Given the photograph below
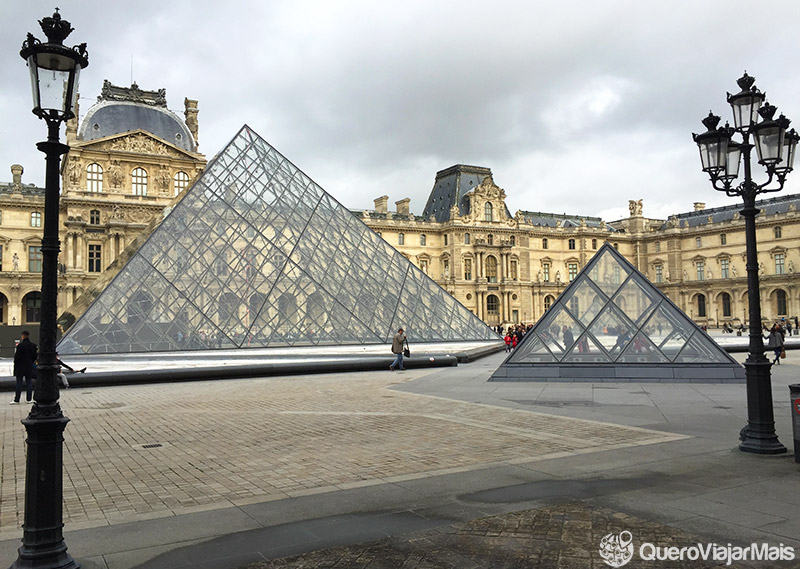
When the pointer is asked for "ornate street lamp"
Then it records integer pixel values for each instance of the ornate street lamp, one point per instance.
(54, 71)
(720, 156)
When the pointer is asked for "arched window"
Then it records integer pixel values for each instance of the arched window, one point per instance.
(548, 302)
(422, 239)
(254, 306)
(780, 301)
(701, 306)
(94, 178)
(491, 269)
(487, 211)
(490, 239)
(726, 304)
(181, 182)
(571, 244)
(139, 181)
(544, 243)
(33, 307)
(594, 243)
(778, 232)
(3, 308)
(513, 240)
(94, 217)
(492, 305)
(401, 239)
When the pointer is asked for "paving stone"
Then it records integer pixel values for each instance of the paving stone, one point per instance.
(227, 442)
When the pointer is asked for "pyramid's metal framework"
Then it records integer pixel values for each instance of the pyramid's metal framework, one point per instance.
(612, 324)
(258, 255)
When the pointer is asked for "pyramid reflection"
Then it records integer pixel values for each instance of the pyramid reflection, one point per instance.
(258, 255)
(612, 324)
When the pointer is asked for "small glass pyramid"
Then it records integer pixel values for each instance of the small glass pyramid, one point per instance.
(258, 255)
(612, 324)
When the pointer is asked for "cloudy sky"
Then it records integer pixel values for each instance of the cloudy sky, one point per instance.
(577, 106)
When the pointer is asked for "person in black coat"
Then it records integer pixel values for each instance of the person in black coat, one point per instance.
(24, 359)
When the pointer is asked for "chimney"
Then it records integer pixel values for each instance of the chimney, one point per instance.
(382, 204)
(402, 206)
(699, 206)
(190, 112)
(16, 172)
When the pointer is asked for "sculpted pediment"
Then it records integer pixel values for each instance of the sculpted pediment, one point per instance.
(488, 189)
(138, 142)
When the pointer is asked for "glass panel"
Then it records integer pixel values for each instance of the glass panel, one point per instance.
(637, 299)
(257, 254)
(642, 350)
(583, 301)
(701, 349)
(551, 330)
(668, 330)
(532, 352)
(587, 350)
(608, 273)
(612, 330)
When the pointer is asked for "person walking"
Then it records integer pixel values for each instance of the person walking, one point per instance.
(397, 349)
(24, 360)
(775, 342)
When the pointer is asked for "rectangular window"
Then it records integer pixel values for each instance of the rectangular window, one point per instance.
(513, 270)
(446, 268)
(445, 239)
(467, 269)
(572, 270)
(95, 253)
(659, 274)
(779, 263)
(1, 257)
(701, 268)
(658, 246)
(546, 272)
(34, 259)
(723, 239)
(36, 219)
(423, 265)
(724, 265)
(698, 241)
(466, 239)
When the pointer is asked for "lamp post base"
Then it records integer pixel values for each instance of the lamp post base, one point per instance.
(759, 436)
(43, 544)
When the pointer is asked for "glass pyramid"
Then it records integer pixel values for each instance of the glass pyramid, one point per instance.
(258, 255)
(612, 324)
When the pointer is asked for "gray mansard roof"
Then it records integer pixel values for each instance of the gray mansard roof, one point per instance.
(451, 188)
(122, 109)
(769, 206)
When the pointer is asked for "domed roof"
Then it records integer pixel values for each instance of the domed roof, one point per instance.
(121, 109)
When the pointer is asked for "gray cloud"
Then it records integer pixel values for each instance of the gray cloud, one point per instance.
(577, 106)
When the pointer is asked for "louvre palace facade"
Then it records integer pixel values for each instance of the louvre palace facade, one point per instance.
(510, 268)
(130, 157)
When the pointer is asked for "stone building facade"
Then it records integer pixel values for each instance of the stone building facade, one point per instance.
(130, 157)
(510, 268)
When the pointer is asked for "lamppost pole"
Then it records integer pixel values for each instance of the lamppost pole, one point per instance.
(54, 72)
(720, 157)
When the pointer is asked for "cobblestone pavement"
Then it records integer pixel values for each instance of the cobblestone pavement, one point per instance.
(564, 536)
(137, 452)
